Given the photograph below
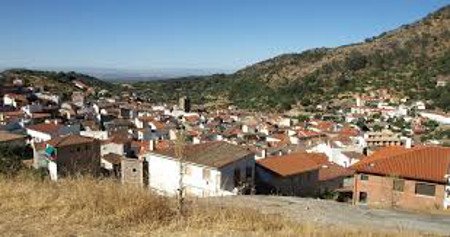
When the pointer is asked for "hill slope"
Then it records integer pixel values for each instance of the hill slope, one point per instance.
(55, 82)
(86, 207)
(406, 60)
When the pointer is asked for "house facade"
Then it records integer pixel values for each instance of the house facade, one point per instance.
(299, 174)
(74, 154)
(414, 178)
(208, 169)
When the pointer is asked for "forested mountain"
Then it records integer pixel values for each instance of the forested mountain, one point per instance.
(407, 61)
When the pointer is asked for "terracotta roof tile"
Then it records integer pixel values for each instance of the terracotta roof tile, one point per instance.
(292, 164)
(6, 136)
(421, 163)
(69, 140)
(113, 158)
(49, 128)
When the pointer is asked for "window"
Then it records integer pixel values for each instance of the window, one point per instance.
(398, 185)
(188, 170)
(248, 172)
(425, 189)
(206, 174)
(237, 177)
(362, 197)
(308, 176)
(364, 177)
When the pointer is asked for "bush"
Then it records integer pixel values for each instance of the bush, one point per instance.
(10, 160)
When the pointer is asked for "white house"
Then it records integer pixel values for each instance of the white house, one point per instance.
(436, 117)
(208, 169)
(13, 99)
(100, 135)
(46, 131)
(32, 108)
(337, 155)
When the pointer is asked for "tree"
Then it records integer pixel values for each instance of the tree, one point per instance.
(10, 160)
(356, 61)
(179, 152)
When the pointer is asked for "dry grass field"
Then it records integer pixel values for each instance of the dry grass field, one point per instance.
(30, 206)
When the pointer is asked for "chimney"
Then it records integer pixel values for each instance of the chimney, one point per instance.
(408, 143)
(151, 145)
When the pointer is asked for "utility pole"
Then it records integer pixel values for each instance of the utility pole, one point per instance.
(179, 153)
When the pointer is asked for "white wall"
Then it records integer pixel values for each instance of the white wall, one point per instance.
(111, 147)
(101, 135)
(39, 136)
(164, 175)
(7, 100)
(334, 155)
(436, 117)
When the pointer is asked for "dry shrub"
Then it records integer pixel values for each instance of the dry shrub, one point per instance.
(97, 207)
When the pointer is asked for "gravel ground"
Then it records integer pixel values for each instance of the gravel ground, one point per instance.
(322, 212)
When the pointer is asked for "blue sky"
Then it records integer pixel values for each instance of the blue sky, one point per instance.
(196, 34)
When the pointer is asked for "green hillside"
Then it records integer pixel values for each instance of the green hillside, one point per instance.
(54, 82)
(407, 61)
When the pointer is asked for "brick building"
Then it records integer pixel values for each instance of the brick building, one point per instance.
(415, 178)
(299, 174)
(74, 154)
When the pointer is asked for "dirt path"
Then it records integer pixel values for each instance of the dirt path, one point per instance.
(321, 212)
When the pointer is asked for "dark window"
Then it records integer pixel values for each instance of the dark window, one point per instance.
(399, 185)
(425, 189)
(78, 149)
(248, 172)
(362, 197)
(237, 177)
(308, 176)
(364, 177)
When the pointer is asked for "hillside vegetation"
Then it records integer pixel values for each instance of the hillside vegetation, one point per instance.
(84, 206)
(407, 61)
(55, 82)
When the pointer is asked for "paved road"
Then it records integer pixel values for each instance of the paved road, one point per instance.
(324, 212)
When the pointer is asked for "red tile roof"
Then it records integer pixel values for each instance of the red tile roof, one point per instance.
(329, 170)
(191, 118)
(297, 163)
(302, 133)
(420, 163)
(6, 136)
(113, 158)
(348, 131)
(69, 140)
(291, 164)
(49, 128)
(41, 115)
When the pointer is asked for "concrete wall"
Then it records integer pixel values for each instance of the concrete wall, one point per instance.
(111, 147)
(380, 193)
(228, 173)
(101, 135)
(132, 172)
